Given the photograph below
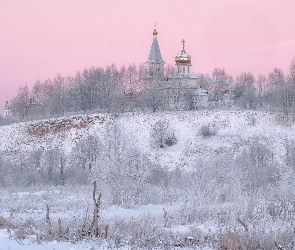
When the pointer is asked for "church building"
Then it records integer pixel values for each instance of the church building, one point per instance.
(181, 89)
(6, 110)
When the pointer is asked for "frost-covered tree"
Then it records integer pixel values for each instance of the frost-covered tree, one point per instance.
(169, 71)
(86, 153)
(214, 179)
(162, 135)
(118, 167)
(221, 83)
(245, 92)
(19, 103)
(259, 167)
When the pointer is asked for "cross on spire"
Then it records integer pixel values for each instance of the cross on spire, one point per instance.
(183, 42)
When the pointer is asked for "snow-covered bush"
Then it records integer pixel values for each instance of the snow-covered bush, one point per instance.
(252, 120)
(162, 135)
(207, 131)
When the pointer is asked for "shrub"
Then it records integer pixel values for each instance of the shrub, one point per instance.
(162, 135)
(207, 131)
(171, 140)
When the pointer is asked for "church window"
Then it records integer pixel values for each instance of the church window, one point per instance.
(187, 70)
(183, 69)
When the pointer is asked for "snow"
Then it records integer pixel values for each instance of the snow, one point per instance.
(8, 242)
(183, 54)
(235, 130)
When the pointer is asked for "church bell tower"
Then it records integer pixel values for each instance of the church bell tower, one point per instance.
(155, 63)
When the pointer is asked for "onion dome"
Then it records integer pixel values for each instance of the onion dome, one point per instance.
(183, 57)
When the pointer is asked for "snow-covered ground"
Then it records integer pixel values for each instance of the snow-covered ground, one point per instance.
(23, 210)
(70, 204)
(8, 242)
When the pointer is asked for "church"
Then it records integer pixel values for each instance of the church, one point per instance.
(6, 110)
(178, 89)
(181, 90)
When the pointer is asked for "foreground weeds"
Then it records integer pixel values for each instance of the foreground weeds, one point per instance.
(211, 227)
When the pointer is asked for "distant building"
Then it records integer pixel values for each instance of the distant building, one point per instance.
(182, 90)
(7, 112)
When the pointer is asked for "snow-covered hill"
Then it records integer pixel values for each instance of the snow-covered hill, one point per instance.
(234, 131)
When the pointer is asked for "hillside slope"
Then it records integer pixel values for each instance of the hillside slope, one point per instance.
(234, 131)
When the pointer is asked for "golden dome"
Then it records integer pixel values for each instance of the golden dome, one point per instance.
(183, 57)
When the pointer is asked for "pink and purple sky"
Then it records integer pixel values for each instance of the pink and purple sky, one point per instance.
(41, 38)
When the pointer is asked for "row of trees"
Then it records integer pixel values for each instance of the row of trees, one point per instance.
(94, 88)
(117, 90)
(275, 92)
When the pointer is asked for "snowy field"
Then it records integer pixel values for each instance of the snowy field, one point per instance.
(24, 215)
(230, 188)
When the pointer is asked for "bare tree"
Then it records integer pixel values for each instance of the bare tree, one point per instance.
(245, 90)
(221, 83)
(19, 103)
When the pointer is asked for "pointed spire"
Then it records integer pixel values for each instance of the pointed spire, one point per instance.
(155, 53)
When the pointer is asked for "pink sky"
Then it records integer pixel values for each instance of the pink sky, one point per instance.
(40, 38)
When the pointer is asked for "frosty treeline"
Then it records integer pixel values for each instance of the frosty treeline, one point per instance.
(118, 90)
(95, 88)
(275, 92)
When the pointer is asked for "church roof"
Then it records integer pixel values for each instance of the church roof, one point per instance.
(183, 54)
(155, 53)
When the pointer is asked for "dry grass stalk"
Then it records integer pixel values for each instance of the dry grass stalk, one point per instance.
(243, 224)
(48, 220)
(97, 204)
(60, 232)
(79, 234)
(106, 232)
(84, 232)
